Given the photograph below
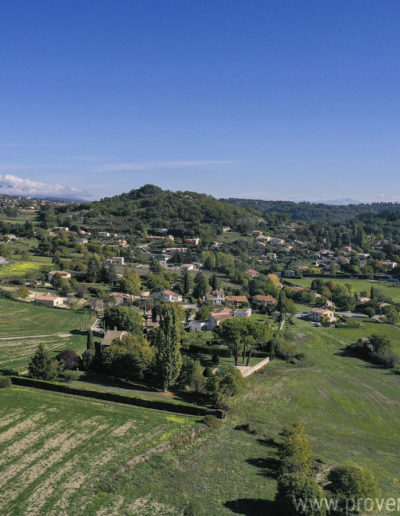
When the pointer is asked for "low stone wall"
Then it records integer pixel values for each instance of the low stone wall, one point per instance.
(247, 370)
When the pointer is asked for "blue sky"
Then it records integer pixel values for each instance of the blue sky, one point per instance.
(262, 99)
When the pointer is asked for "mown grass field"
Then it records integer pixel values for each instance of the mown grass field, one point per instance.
(350, 409)
(15, 354)
(388, 289)
(19, 319)
(18, 269)
(64, 455)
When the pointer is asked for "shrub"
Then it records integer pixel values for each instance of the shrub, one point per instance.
(225, 383)
(295, 452)
(293, 487)
(70, 375)
(5, 382)
(208, 372)
(69, 359)
(352, 482)
(87, 359)
(215, 359)
(211, 421)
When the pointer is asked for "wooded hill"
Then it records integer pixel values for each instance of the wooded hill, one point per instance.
(150, 207)
(307, 211)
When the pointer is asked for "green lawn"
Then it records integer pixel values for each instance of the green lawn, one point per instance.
(61, 454)
(388, 289)
(15, 354)
(19, 319)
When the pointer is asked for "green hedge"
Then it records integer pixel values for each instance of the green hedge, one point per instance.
(170, 406)
(210, 350)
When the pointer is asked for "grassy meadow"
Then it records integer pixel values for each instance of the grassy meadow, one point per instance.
(350, 409)
(64, 455)
(386, 288)
(19, 319)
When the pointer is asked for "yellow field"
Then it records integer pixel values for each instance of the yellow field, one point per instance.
(19, 269)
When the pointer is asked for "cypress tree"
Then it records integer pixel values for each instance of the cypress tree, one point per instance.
(168, 356)
(89, 340)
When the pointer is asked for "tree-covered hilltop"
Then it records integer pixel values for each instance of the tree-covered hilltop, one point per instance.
(150, 207)
(307, 211)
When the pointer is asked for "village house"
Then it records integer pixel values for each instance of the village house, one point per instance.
(242, 312)
(162, 258)
(276, 241)
(49, 300)
(174, 250)
(191, 266)
(218, 316)
(237, 301)
(199, 325)
(389, 265)
(116, 260)
(215, 246)
(252, 273)
(192, 241)
(57, 229)
(119, 298)
(264, 300)
(63, 274)
(168, 295)
(103, 234)
(111, 336)
(216, 297)
(263, 237)
(317, 314)
(226, 229)
(289, 273)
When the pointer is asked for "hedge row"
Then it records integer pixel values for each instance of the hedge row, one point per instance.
(170, 406)
(210, 350)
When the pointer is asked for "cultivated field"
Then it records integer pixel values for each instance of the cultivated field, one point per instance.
(64, 455)
(19, 319)
(15, 354)
(388, 289)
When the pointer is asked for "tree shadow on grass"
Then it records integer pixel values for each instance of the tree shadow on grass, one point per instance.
(268, 442)
(251, 506)
(268, 466)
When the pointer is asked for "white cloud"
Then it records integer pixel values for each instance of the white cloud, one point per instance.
(154, 165)
(14, 185)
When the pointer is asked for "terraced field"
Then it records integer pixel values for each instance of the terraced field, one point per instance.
(19, 319)
(15, 354)
(63, 455)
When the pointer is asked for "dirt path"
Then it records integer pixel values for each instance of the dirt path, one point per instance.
(21, 337)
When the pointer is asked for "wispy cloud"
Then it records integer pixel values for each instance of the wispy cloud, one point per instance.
(157, 165)
(14, 185)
